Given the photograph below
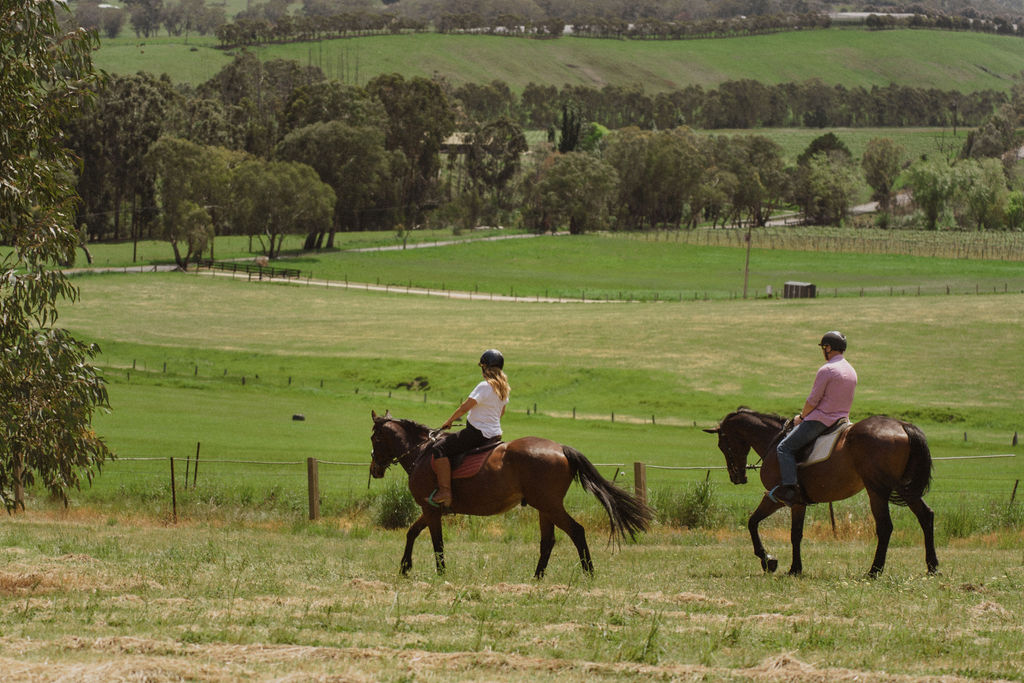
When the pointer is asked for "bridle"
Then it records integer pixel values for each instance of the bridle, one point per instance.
(403, 458)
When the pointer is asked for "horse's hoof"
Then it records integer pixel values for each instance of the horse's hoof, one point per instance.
(770, 564)
(796, 572)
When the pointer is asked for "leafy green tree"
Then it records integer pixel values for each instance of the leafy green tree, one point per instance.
(277, 198)
(351, 159)
(761, 180)
(1015, 210)
(824, 188)
(828, 143)
(980, 193)
(193, 184)
(573, 190)
(112, 135)
(882, 163)
(931, 185)
(420, 117)
(325, 101)
(48, 388)
(145, 16)
(658, 173)
(494, 154)
(570, 128)
(256, 93)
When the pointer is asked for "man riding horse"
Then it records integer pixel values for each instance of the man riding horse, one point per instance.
(829, 401)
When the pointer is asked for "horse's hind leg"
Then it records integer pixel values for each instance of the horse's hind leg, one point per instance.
(575, 530)
(765, 509)
(926, 518)
(883, 529)
(796, 536)
(547, 542)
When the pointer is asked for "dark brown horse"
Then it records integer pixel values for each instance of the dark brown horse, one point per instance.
(529, 471)
(888, 457)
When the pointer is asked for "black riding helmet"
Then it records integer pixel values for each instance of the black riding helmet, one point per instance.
(835, 340)
(492, 357)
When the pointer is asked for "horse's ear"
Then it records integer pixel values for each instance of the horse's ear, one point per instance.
(373, 414)
(387, 414)
(712, 431)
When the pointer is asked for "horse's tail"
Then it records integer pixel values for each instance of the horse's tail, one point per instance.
(626, 513)
(917, 477)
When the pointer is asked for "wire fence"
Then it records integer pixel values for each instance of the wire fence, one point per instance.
(314, 488)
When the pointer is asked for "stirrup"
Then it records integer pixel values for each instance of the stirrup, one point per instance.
(434, 503)
(799, 498)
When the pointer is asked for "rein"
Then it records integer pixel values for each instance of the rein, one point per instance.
(403, 457)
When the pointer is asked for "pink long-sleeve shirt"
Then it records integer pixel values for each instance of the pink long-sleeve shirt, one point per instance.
(832, 393)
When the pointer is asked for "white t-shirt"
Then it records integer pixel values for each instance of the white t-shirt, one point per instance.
(486, 414)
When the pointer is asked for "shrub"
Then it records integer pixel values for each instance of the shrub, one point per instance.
(395, 508)
(694, 507)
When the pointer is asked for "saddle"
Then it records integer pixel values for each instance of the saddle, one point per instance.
(468, 463)
(823, 446)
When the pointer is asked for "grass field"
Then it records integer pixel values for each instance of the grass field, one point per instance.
(240, 586)
(929, 59)
(113, 597)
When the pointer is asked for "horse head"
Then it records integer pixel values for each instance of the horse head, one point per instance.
(734, 447)
(393, 441)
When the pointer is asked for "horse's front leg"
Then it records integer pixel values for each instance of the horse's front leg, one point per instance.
(796, 535)
(767, 507)
(437, 538)
(410, 538)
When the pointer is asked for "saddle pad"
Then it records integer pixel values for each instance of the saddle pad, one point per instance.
(470, 465)
(823, 446)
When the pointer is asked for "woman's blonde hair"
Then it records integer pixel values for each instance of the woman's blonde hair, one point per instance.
(495, 376)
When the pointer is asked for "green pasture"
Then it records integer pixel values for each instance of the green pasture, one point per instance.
(112, 597)
(931, 59)
(919, 143)
(653, 267)
(226, 364)
(664, 266)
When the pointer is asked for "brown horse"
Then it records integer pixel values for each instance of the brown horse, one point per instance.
(888, 457)
(529, 471)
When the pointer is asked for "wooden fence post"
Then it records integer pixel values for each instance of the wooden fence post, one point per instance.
(174, 495)
(640, 481)
(195, 470)
(313, 477)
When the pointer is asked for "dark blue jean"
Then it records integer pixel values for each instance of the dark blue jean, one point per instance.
(802, 435)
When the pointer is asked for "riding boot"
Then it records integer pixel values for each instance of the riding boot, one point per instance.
(443, 469)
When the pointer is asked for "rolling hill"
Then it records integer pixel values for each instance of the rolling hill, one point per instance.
(853, 57)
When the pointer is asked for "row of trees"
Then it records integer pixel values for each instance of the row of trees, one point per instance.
(271, 22)
(737, 104)
(644, 179)
(384, 156)
(377, 148)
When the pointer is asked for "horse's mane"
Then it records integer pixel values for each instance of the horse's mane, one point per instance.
(411, 426)
(763, 417)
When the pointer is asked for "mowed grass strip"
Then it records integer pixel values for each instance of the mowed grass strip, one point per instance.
(655, 266)
(111, 596)
(930, 59)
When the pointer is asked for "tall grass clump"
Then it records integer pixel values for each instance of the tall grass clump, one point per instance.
(693, 507)
(394, 507)
(966, 520)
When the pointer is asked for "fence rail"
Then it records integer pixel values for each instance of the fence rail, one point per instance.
(260, 271)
